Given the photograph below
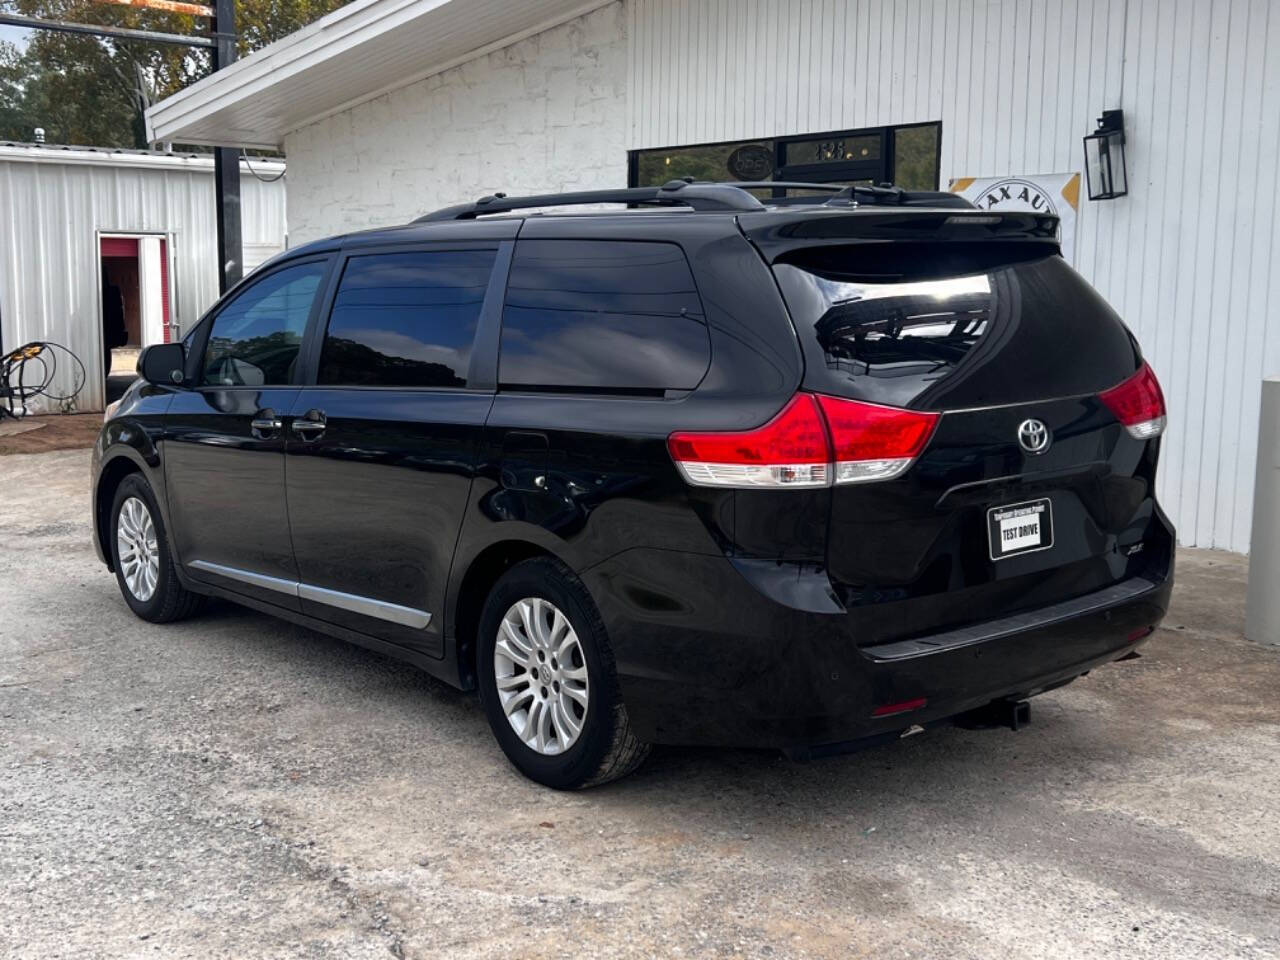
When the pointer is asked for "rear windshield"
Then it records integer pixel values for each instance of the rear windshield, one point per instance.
(1009, 333)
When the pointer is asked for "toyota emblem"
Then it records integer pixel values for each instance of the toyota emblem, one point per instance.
(1033, 436)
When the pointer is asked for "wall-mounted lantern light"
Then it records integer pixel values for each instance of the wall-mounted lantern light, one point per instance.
(1104, 158)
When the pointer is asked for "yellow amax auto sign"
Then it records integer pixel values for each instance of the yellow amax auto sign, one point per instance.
(1056, 193)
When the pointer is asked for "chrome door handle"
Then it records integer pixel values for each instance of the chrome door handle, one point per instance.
(308, 429)
(265, 422)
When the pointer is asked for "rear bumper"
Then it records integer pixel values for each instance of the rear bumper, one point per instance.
(703, 658)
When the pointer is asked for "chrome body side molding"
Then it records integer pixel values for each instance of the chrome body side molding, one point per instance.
(406, 616)
(247, 576)
(366, 606)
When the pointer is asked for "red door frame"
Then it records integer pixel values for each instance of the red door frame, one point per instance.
(127, 246)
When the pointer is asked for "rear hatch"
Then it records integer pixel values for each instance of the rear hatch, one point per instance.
(1030, 489)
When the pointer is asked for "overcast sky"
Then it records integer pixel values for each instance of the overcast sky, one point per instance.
(16, 35)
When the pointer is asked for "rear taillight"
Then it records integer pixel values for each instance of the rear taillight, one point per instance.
(791, 450)
(871, 442)
(815, 441)
(1138, 403)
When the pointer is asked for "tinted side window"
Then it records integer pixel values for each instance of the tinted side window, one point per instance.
(255, 338)
(406, 319)
(602, 315)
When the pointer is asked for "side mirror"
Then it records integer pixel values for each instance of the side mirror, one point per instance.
(163, 364)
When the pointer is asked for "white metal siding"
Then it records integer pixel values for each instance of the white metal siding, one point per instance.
(50, 216)
(1189, 258)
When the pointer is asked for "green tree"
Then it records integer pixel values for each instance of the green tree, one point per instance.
(92, 91)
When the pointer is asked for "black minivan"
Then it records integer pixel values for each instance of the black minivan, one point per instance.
(712, 465)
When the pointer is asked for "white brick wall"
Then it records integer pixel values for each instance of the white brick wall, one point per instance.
(545, 114)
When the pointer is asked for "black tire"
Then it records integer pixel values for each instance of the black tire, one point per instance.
(171, 600)
(606, 748)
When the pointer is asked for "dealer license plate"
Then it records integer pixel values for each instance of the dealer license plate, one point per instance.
(1020, 528)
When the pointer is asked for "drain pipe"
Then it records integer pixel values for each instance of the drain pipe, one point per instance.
(1262, 613)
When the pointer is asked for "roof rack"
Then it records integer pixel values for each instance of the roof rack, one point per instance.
(704, 196)
(681, 193)
(853, 194)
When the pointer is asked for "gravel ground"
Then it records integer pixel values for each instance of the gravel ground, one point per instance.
(235, 786)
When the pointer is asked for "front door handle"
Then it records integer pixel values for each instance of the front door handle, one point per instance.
(310, 425)
(265, 423)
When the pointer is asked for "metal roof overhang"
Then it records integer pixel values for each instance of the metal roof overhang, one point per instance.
(54, 154)
(359, 51)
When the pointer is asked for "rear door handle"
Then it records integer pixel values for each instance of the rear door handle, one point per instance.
(310, 425)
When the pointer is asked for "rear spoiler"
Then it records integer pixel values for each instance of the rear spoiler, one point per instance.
(780, 233)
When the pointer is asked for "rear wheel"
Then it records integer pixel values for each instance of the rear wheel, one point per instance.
(547, 680)
(141, 555)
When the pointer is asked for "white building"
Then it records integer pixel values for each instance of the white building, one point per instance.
(80, 225)
(388, 108)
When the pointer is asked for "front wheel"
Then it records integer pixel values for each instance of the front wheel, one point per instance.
(547, 680)
(143, 562)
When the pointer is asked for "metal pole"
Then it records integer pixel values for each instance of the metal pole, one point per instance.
(226, 161)
(1262, 610)
(97, 30)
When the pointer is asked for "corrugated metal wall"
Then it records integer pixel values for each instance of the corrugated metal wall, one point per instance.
(1190, 258)
(51, 213)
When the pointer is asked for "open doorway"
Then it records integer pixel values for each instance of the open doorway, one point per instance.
(135, 303)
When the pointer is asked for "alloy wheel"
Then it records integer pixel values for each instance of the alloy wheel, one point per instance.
(541, 676)
(137, 549)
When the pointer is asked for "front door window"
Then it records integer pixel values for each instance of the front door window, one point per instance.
(255, 339)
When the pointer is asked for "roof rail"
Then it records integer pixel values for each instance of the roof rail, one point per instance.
(852, 194)
(701, 195)
(682, 193)
(785, 185)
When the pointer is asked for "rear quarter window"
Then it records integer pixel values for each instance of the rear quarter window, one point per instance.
(602, 316)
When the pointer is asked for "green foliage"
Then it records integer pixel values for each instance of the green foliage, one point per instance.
(916, 157)
(92, 91)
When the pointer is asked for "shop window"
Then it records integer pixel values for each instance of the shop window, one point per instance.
(903, 155)
(832, 149)
(747, 160)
